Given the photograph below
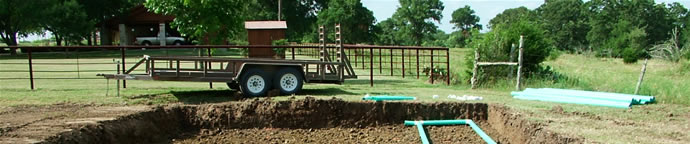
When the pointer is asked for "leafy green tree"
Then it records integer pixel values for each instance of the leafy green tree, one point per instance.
(513, 15)
(68, 21)
(216, 20)
(496, 46)
(415, 18)
(565, 23)
(645, 14)
(300, 15)
(465, 19)
(438, 39)
(356, 21)
(388, 33)
(20, 18)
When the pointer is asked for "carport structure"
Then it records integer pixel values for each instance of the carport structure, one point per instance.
(137, 22)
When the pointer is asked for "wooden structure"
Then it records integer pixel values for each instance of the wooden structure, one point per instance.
(477, 64)
(264, 33)
(138, 22)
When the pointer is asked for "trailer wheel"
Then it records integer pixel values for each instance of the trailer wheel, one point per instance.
(254, 83)
(233, 85)
(288, 81)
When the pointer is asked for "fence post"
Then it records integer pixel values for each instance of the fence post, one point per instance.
(475, 69)
(31, 69)
(432, 67)
(293, 53)
(403, 62)
(417, 63)
(391, 61)
(124, 82)
(519, 71)
(380, 67)
(371, 67)
(447, 66)
(639, 81)
(210, 84)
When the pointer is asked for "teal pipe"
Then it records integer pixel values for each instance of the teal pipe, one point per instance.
(571, 94)
(574, 100)
(642, 99)
(474, 126)
(422, 134)
(386, 97)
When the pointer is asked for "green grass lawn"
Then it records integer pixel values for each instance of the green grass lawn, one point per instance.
(640, 124)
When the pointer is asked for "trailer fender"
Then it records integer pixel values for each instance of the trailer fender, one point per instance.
(270, 68)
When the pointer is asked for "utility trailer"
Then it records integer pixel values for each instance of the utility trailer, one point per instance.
(253, 76)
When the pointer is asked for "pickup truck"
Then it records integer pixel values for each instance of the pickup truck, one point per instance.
(155, 41)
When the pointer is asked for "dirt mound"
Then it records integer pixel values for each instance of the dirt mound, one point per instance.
(309, 121)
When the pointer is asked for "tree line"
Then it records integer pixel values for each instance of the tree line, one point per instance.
(615, 28)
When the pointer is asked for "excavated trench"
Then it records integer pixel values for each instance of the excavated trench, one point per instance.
(310, 121)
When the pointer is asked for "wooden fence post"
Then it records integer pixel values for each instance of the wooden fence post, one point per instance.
(473, 81)
(403, 62)
(519, 71)
(371, 67)
(432, 67)
(639, 81)
(417, 63)
(447, 66)
(31, 69)
(124, 82)
(210, 84)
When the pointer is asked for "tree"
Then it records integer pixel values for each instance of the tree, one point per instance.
(68, 21)
(387, 32)
(20, 17)
(415, 18)
(652, 18)
(216, 20)
(565, 23)
(464, 19)
(300, 15)
(513, 15)
(356, 21)
(496, 46)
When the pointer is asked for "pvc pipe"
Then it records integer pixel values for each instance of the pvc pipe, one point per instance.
(572, 94)
(474, 126)
(422, 134)
(385, 97)
(645, 99)
(573, 100)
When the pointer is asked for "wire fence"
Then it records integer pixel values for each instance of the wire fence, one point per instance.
(84, 62)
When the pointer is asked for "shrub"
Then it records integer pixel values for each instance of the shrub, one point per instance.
(495, 46)
(630, 55)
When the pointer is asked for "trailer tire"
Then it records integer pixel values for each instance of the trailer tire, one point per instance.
(233, 85)
(288, 81)
(254, 83)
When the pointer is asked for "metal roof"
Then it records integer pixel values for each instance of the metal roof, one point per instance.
(265, 25)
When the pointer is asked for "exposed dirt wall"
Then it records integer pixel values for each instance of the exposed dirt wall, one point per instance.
(163, 124)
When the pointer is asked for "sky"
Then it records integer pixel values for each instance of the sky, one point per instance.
(485, 9)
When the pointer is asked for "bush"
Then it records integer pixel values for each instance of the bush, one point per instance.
(630, 55)
(495, 46)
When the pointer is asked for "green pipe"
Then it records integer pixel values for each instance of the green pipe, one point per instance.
(385, 97)
(422, 134)
(573, 100)
(570, 94)
(643, 99)
(474, 126)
